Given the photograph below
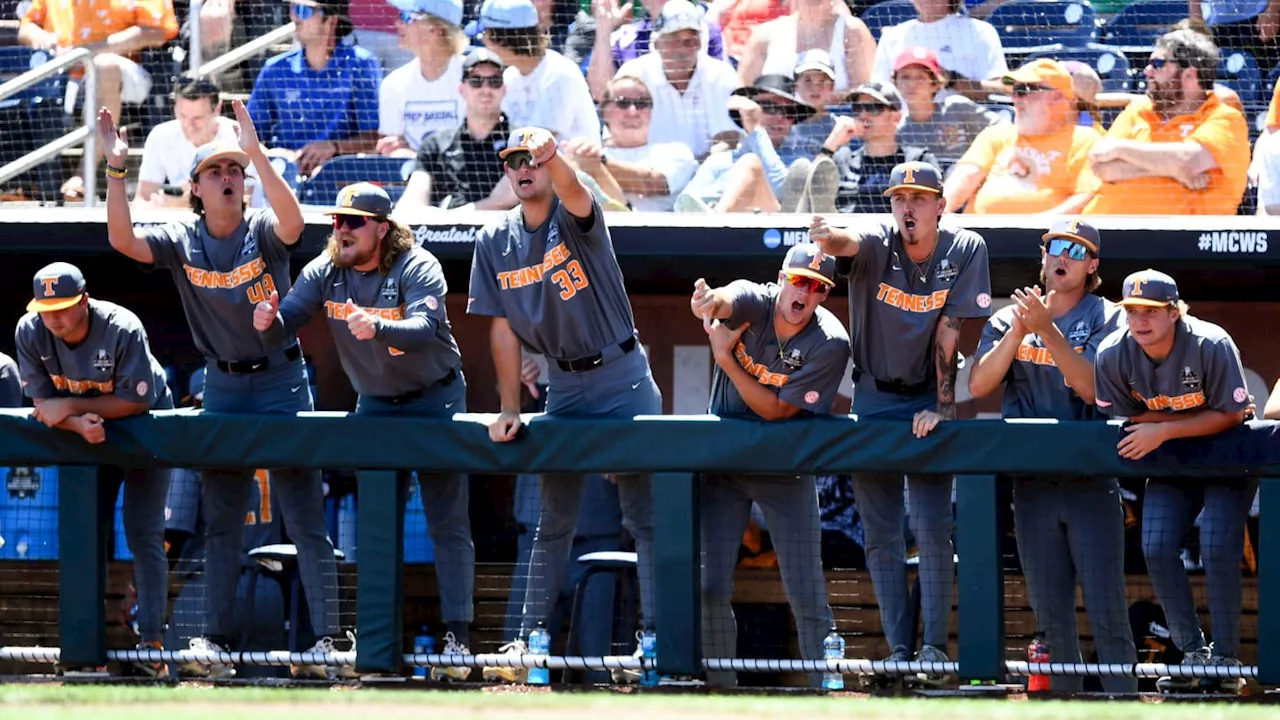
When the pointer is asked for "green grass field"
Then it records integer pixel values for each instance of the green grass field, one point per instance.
(192, 702)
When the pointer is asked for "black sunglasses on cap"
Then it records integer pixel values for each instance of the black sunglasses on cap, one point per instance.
(351, 222)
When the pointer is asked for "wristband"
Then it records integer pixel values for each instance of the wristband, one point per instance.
(115, 173)
(824, 151)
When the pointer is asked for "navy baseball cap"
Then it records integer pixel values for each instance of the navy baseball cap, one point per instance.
(56, 287)
(808, 260)
(480, 56)
(1149, 288)
(915, 176)
(504, 15)
(1076, 230)
(209, 152)
(449, 11)
(363, 199)
(884, 93)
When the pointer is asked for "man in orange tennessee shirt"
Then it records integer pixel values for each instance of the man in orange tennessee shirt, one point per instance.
(1040, 163)
(113, 30)
(1179, 150)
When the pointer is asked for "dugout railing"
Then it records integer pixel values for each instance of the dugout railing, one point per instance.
(974, 450)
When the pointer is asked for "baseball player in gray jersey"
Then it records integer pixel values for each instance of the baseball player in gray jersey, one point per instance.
(778, 354)
(10, 384)
(911, 287)
(384, 300)
(1175, 376)
(84, 361)
(547, 275)
(1068, 528)
(224, 263)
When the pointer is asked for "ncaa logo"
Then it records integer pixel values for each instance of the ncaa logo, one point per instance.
(772, 238)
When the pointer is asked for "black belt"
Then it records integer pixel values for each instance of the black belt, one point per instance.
(246, 367)
(409, 397)
(894, 387)
(584, 364)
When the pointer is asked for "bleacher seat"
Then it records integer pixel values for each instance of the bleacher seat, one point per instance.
(1024, 24)
(887, 14)
(32, 117)
(1239, 71)
(1109, 62)
(1140, 24)
(390, 173)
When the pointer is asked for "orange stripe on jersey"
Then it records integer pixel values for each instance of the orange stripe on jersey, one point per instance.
(1177, 403)
(81, 387)
(214, 280)
(532, 274)
(756, 370)
(894, 297)
(338, 311)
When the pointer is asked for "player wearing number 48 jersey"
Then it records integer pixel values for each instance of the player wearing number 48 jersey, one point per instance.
(224, 263)
(912, 284)
(1068, 528)
(1175, 376)
(84, 361)
(778, 354)
(547, 275)
(383, 298)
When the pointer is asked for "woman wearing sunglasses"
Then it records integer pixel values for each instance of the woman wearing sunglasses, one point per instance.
(1069, 529)
(778, 354)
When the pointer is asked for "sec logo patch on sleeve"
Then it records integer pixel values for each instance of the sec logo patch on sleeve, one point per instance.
(432, 303)
(142, 387)
(983, 300)
(1239, 394)
(811, 397)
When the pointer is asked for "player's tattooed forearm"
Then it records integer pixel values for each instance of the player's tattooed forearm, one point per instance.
(945, 360)
(952, 323)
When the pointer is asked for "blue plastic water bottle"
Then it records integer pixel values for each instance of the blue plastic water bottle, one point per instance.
(649, 650)
(424, 643)
(833, 649)
(539, 646)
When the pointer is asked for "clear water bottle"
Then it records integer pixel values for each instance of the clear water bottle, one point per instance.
(649, 651)
(833, 649)
(539, 646)
(424, 643)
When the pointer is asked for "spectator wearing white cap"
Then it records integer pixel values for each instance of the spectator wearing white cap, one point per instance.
(775, 46)
(944, 123)
(544, 88)
(629, 169)
(968, 49)
(690, 88)
(816, 86)
(422, 95)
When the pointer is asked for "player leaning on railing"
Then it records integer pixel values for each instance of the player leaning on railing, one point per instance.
(224, 263)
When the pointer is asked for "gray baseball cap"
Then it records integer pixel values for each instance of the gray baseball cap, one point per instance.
(808, 260)
(56, 287)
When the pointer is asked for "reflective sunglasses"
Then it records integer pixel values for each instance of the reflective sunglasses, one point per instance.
(519, 160)
(302, 12)
(868, 108)
(624, 103)
(1023, 90)
(1157, 63)
(804, 282)
(1056, 247)
(479, 81)
(407, 17)
(351, 222)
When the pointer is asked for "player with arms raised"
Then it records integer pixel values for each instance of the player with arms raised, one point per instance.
(547, 275)
(912, 285)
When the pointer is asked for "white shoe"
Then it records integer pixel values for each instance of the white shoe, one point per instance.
(1185, 684)
(325, 672)
(515, 648)
(459, 673)
(622, 676)
(823, 184)
(686, 203)
(931, 654)
(214, 670)
(793, 187)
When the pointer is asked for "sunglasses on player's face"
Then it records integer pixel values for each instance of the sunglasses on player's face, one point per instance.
(479, 81)
(1057, 247)
(804, 282)
(350, 222)
(519, 161)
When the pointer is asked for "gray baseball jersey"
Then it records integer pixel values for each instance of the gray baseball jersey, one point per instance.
(10, 383)
(804, 372)
(113, 359)
(414, 346)
(559, 285)
(1034, 386)
(220, 282)
(262, 525)
(894, 304)
(1202, 371)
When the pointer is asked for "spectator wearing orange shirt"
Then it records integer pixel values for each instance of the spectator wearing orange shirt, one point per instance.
(1180, 150)
(1039, 164)
(114, 30)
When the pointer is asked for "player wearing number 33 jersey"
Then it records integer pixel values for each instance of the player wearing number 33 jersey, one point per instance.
(547, 275)
(1177, 376)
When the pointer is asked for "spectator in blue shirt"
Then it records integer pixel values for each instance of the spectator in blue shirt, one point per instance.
(320, 100)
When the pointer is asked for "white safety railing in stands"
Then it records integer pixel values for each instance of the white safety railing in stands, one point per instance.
(195, 52)
(84, 135)
(244, 52)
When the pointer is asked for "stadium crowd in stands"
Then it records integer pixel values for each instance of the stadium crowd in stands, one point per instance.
(784, 106)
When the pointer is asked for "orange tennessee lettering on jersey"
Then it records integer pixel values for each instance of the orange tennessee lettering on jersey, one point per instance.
(338, 311)
(756, 370)
(1177, 403)
(521, 277)
(214, 280)
(894, 297)
(1039, 355)
(82, 387)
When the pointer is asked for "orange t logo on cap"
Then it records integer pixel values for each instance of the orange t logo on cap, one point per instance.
(909, 175)
(48, 283)
(1073, 227)
(818, 257)
(1137, 286)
